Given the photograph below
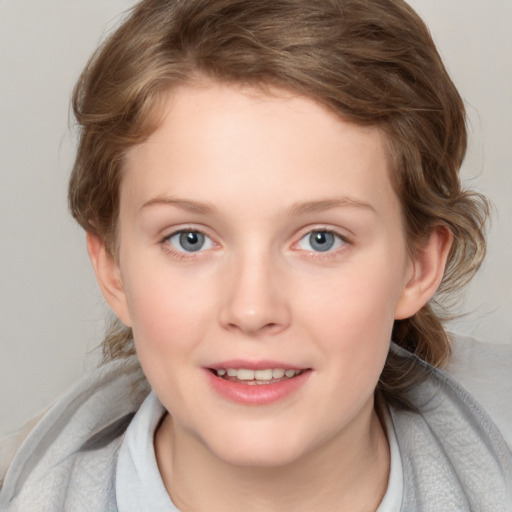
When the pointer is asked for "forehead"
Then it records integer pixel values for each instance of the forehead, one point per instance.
(221, 142)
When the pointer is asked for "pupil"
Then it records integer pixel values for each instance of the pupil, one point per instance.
(321, 241)
(320, 238)
(192, 238)
(191, 241)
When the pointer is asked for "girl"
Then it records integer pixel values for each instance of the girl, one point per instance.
(270, 193)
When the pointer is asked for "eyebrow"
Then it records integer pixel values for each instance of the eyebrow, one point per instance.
(184, 204)
(300, 208)
(327, 204)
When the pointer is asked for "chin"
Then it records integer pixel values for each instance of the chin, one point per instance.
(259, 450)
(256, 459)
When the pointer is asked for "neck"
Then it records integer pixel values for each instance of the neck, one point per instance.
(347, 472)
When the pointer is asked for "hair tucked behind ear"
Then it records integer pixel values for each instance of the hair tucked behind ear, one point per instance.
(371, 62)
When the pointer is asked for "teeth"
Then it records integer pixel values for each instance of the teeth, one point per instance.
(263, 374)
(245, 374)
(259, 375)
(278, 373)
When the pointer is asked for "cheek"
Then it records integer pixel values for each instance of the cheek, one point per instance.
(168, 324)
(351, 320)
(355, 305)
(166, 311)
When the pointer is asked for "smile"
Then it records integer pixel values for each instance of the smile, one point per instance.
(263, 384)
(256, 377)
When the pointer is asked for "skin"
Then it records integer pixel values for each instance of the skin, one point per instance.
(257, 173)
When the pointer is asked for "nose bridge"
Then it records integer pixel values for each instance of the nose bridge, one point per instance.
(255, 298)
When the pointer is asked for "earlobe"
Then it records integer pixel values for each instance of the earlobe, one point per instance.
(427, 270)
(108, 276)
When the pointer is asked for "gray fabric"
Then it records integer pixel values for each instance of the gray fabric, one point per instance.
(453, 456)
(67, 463)
(483, 368)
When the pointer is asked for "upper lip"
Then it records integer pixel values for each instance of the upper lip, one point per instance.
(254, 365)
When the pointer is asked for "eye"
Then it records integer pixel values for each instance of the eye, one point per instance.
(320, 241)
(189, 241)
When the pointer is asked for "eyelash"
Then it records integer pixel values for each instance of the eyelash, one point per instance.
(183, 255)
(329, 254)
(318, 255)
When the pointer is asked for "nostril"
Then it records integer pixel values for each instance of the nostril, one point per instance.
(253, 318)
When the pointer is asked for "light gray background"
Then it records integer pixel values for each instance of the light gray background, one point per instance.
(51, 313)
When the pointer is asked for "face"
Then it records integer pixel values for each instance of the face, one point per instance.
(258, 235)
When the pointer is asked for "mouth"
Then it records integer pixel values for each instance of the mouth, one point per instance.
(256, 382)
(256, 377)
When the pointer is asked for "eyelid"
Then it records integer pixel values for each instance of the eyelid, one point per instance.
(322, 228)
(330, 253)
(171, 231)
(182, 254)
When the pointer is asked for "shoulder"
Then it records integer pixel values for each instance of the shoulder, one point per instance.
(72, 449)
(485, 370)
(453, 453)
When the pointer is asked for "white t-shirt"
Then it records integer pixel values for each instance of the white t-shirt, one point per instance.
(139, 485)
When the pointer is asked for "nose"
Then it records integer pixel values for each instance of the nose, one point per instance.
(255, 299)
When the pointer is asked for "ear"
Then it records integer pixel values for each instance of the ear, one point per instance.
(426, 272)
(108, 275)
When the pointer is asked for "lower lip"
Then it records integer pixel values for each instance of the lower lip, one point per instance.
(257, 394)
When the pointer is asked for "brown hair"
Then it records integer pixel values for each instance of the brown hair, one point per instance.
(372, 62)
